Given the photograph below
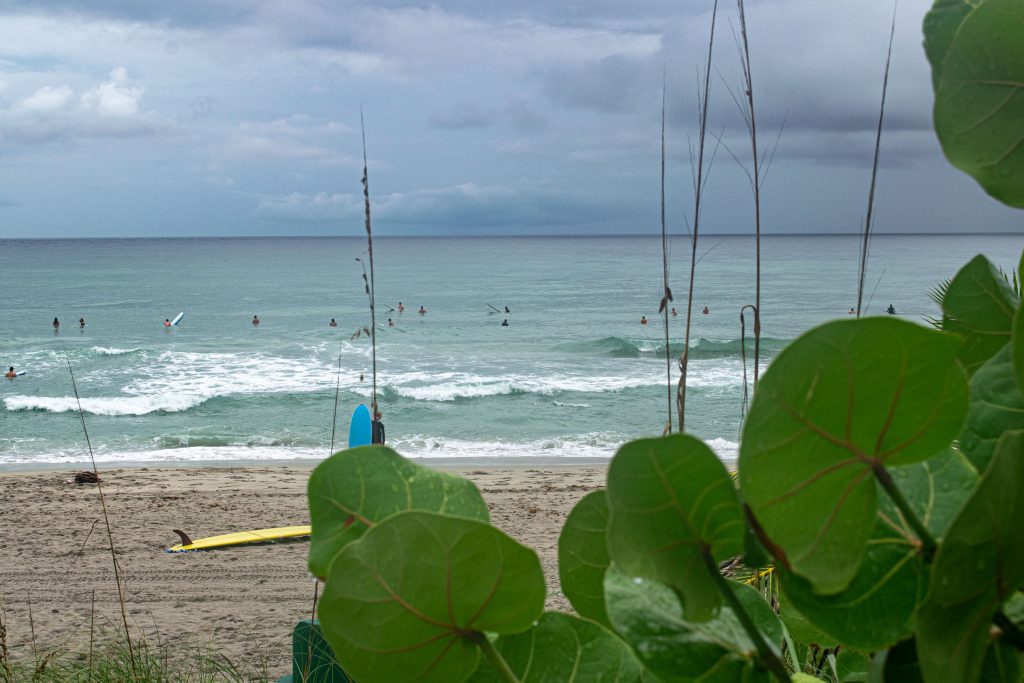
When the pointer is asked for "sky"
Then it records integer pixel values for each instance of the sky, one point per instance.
(242, 117)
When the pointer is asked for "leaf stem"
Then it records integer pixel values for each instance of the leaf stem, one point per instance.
(928, 544)
(1010, 630)
(494, 656)
(767, 657)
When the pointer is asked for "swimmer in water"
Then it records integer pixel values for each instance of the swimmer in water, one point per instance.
(167, 322)
(11, 374)
(643, 320)
(706, 311)
(890, 310)
(401, 308)
(504, 323)
(255, 320)
(391, 323)
(81, 322)
(851, 312)
(333, 323)
(422, 311)
(56, 324)
(506, 310)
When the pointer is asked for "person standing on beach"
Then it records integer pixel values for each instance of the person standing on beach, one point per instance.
(56, 324)
(377, 429)
(11, 374)
(255, 321)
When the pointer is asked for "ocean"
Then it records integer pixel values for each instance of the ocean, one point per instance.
(572, 375)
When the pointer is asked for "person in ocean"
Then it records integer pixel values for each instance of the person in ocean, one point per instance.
(377, 429)
(333, 323)
(890, 310)
(167, 322)
(705, 311)
(81, 322)
(401, 308)
(422, 311)
(56, 324)
(506, 310)
(504, 323)
(674, 314)
(255, 320)
(643, 320)
(10, 374)
(851, 312)
(391, 323)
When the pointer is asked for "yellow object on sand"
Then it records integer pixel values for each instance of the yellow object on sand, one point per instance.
(241, 537)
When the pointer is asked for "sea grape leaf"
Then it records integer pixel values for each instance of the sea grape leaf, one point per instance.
(562, 648)
(996, 406)
(354, 489)
(1018, 335)
(649, 616)
(979, 306)
(898, 664)
(406, 601)
(940, 26)
(877, 609)
(1002, 663)
(800, 628)
(979, 103)
(671, 503)
(852, 666)
(936, 489)
(979, 565)
(583, 556)
(843, 398)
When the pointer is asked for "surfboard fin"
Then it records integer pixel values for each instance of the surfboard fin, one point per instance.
(185, 540)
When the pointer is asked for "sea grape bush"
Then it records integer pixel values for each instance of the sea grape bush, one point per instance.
(881, 474)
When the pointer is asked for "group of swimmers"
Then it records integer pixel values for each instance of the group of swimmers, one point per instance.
(643, 318)
(56, 323)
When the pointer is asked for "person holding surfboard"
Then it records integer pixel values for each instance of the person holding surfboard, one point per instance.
(11, 374)
(377, 427)
(167, 322)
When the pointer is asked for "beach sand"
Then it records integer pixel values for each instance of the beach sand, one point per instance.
(241, 602)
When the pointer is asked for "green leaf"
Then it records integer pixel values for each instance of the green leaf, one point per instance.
(843, 398)
(583, 556)
(896, 665)
(936, 489)
(649, 616)
(800, 628)
(354, 489)
(996, 406)
(405, 602)
(671, 502)
(940, 26)
(1018, 336)
(979, 307)
(1002, 664)
(979, 104)
(564, 649)
(852, 666)
(979, 565)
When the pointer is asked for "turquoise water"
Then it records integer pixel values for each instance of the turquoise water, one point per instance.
(573, 374)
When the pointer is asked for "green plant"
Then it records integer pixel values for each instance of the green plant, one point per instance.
(881, 472)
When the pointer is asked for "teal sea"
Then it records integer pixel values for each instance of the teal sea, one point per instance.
(574, 374)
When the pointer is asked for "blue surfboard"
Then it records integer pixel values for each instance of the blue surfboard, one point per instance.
(360, 430)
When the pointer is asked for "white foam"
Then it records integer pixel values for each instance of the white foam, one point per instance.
(112, 351)
(593, 445)
(119, 405)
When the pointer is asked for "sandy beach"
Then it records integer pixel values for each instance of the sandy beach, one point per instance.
(241, 602)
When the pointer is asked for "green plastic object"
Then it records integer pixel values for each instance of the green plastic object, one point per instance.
(312, 657)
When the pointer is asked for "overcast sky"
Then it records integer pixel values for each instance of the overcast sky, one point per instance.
(241, 117)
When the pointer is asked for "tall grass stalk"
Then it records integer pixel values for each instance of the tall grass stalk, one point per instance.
(699, 180)
(666, 297)
(5, 654)
(751, 120)
(369, 240)
(866, 242)
(106, 515)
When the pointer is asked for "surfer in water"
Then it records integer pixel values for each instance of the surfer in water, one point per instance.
(401, 308)
(10, 374)
(81, 322)
(504, 323)
(255, 321)
(333, 323)
(422, 311)
(890, 310)
(643, 320)
(56, 324)
(377, 429)
(391, 323)
(706, 311)
(167, 322)
(506, 310)
(674, 314)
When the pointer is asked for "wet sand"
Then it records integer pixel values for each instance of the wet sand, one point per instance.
(241, 602)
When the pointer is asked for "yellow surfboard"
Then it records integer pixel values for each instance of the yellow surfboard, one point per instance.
(238, 538)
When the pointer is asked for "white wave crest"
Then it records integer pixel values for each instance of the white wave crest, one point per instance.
(120, 405)
(112, 351)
